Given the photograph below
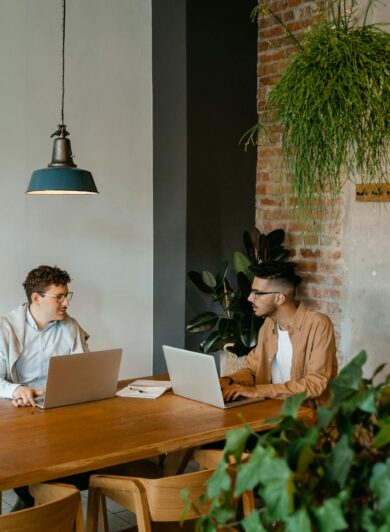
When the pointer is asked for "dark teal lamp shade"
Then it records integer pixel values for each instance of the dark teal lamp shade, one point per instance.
(61, 176)
(61, 180)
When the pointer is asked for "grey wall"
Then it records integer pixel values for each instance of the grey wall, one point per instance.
(104, 241)
(170, 174)
(366, 251)
(221, 92)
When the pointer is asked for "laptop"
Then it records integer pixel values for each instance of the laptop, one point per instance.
(81, 378)
(194, 376)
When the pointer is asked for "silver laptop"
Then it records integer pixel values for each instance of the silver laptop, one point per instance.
(194, 375)
(81, 378)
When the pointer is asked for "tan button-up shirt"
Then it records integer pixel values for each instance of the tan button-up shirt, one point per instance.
(313, 365)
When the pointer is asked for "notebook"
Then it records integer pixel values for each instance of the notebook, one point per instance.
(194, 376)
(81, 378)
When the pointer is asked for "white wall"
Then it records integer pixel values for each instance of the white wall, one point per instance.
(105, 241)
(366, 251)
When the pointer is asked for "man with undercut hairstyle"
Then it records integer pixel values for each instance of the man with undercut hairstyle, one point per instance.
(32, 333)
(296, 349)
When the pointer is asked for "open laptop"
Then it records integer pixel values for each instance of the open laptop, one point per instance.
(81, 378)
(194, 375)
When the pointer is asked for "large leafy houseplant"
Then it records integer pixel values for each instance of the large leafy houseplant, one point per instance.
(236, 325)
(333, 475)
(333, 101)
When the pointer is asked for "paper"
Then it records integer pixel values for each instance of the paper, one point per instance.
(149, 390)
(146, 382)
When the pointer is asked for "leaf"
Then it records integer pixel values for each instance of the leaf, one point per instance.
(380, 485)
(341, 461)
(219, 481)
(226, 328)
(264, 248)
(291, 405)
(298, 522)
(324, 417)
(383, 436)
(279, 254)
(378, 370)
(348, 380)
(244, 284)
(367, 401)
(249, 247)
(249, 331)
(209, 279)
(277, 479)
(221, 274)
(241, 263)
(276, 237)
(330, 516)
(248, 473)
(184, 495)
(235, 442)
(252, 523)
(203, 322)
(212, 343)
(197, 280)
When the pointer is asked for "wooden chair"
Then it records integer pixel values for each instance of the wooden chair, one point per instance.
(57, 509)
(153, 500)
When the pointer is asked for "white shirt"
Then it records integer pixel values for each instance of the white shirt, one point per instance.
(39, 345)
(281, 363)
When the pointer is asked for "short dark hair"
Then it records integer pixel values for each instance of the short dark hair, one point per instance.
(283, 271)
(42, 277)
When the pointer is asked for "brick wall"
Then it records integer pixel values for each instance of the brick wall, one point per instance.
(319, 257)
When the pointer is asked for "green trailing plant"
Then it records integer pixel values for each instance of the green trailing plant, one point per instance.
(236, 325)
(333, 475)
(333, 101)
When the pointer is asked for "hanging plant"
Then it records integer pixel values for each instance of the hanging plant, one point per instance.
(333, 101)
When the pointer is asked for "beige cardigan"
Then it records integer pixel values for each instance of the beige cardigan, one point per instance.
(313, 365)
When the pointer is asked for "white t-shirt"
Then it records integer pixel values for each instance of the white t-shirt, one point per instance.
(281, 363)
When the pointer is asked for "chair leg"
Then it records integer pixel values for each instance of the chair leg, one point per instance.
(103, 519)
(176, 462)
(93, 509)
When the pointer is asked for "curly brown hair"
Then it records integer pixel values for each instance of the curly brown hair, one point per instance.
(40, 278)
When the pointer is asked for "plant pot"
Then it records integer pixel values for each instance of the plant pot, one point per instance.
(229, 362)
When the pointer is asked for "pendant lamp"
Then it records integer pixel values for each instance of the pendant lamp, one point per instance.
(62, 176)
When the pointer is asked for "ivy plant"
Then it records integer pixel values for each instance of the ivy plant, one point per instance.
(333, 101)
(328, 476)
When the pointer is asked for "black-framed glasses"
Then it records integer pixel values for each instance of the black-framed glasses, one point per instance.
(60, 298)
(258, 293)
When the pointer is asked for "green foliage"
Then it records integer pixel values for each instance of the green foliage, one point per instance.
(334, 475)
(237, 325)
(333, 101)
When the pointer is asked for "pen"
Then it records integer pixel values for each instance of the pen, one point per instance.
(135, 389)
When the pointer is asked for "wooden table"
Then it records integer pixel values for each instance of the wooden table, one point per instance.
(38, 445)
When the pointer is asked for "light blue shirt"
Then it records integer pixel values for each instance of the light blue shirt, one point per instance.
(39, 345)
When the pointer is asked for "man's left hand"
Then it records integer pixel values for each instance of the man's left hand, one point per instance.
(233, 391)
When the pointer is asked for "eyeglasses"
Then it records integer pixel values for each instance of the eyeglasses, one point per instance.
(60, 298)
(258, 293)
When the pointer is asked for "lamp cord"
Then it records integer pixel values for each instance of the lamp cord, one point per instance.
(63, 61)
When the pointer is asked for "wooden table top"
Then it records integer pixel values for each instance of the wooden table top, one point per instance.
(38, 445)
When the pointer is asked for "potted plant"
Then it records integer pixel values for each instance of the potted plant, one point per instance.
(333, 101)
(333, 475)
(236, 327)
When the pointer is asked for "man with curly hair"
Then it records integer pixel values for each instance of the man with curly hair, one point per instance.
(296, 350)
(35, 331)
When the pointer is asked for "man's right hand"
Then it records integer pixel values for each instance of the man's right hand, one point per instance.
(224, 382)
(24, 396)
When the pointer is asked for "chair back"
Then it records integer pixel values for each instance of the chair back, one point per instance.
(164, 495)
(58, 509)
